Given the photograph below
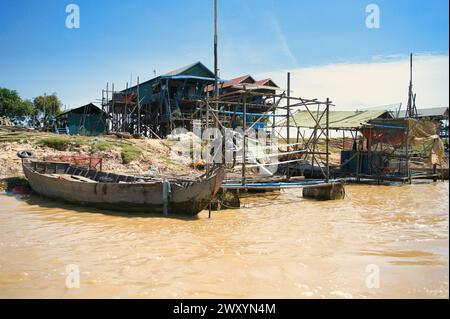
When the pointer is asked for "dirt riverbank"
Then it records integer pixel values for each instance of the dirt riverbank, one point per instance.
(118, 154)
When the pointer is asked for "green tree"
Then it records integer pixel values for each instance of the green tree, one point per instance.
(47, 105)
(13, 107)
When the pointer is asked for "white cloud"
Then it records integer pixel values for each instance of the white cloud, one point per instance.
(281, 38)
(358, 85)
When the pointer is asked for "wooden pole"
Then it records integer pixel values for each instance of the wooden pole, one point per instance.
(315, 139)
(216, 64)
(328, 140)
(288, 118)
(369, 152)
(113, 124)
(103, 99)
(139, 109)
(45, 106)
(124, 115)
(105, 104)
(244, 146)
(216, 69)
(209, 210)
(358, 161)
(407, 153)
(207, 130)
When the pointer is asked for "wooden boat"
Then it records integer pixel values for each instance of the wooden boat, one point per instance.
(126, 193)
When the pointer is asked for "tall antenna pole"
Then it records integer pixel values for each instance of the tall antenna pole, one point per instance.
(411, 110)
(216, 70)
(410, 68)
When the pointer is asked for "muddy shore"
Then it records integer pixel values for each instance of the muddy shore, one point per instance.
(122, 155)
(119, 154)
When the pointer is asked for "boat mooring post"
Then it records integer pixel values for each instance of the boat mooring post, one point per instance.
(165, 195)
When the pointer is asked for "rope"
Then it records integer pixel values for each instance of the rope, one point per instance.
(272, 155)
(347, 161)
(274, 164)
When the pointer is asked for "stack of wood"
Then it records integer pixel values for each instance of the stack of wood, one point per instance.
(4, 121)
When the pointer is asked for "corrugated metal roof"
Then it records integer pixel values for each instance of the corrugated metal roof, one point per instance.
(247, 79)
(338, 119)
(183, 73)
(182, 77)
(239, 80)
(429, 112)
(184, 70)
(88, 109)
(267, 82)
(256, 87)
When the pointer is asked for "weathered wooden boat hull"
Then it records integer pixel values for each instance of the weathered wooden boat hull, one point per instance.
(186, 198)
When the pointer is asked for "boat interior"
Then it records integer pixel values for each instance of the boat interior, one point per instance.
(83, 174)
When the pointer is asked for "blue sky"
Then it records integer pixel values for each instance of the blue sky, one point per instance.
(119, 38)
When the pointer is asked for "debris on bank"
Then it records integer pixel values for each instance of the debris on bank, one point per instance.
(119, 155)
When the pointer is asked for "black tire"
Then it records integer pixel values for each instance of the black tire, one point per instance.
(25, 154)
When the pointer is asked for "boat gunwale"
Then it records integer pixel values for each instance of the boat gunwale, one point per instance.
(188, 199)
(173, 180)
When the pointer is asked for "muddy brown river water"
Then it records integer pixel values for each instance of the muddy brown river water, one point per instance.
(381, 241)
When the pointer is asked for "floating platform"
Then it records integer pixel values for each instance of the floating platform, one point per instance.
(380, 179)
(277, 185)
(329, 191)
(315, 189)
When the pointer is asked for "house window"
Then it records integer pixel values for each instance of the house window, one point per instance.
(156, 88)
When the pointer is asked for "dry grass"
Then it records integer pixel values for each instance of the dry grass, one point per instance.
(119, 155)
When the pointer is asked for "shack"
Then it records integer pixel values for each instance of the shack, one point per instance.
(347, 123)
(433, 113)
(236, 84)
(395, 150)
(230, 110)
(177, 100)
(438, 115)
(84, 120)
(158, 105)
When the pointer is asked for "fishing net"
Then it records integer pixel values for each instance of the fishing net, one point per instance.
(396, 132)
(84, 161)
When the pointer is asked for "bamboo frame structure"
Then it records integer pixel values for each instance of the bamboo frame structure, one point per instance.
(306, 147)
(371, 157)
(249, 107)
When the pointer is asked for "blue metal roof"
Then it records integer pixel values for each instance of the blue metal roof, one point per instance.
(182, 77)
(175, 75)
(197, 66)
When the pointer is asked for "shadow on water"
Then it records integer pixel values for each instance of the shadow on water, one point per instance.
(391, 183)
(44, 202)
